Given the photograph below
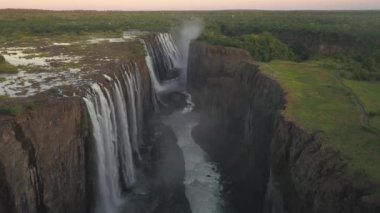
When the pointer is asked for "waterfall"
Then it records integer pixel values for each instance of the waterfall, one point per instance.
(133, 84)
(125, 151)
(163, 56)
(116, 113)
(104, 129)
(202, 181)
(116, 120)
(189, 30)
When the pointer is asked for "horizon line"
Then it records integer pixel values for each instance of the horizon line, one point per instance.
(196, 10)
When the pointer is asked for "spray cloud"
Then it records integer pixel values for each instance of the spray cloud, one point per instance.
(188, 31)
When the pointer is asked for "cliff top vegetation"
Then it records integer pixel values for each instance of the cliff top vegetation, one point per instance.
(320, 100)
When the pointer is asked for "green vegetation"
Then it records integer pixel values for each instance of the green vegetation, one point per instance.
(329, 26)
(16, 110)
(318, 101)
(5, 67)
(354, 69)
(368, 92)
(342, 44)
(262, 47)
(267, 35)
(2, 79)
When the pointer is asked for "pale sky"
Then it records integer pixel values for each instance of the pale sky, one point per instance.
(192, 4)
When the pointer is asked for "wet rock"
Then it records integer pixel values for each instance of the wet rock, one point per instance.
(242, 129)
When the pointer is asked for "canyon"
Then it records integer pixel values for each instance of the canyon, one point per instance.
(120, 142)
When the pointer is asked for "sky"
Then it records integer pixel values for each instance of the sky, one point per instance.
(192, 4)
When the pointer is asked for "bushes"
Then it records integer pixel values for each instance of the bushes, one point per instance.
(5, 67)
(262, 47)
(2, 59)
(352, 68)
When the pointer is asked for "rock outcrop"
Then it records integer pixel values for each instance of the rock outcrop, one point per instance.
(273, 164)
(42, 156)
(44, 148)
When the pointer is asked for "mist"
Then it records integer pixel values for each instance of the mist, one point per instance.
(189, 30)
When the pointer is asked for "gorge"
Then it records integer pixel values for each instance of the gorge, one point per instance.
(195, 128)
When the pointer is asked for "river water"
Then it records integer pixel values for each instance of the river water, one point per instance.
(202, 180)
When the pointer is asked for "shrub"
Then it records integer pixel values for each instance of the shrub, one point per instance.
(5, 67)
(262, 47)
(2, 59)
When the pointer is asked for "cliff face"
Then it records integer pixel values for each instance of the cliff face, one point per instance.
(237, 122)
(273, 164)
(42, 157)
(312, 177)
(45, 147)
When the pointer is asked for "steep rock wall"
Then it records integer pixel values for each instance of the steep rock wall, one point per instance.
(273, 164)
(44, 148)
(236, 122)
(42, 153)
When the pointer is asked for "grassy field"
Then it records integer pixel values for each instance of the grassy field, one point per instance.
(369, 94)
(318, 101)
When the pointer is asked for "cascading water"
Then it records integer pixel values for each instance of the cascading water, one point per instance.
(105, 137)
(133, 92)
(188, 31)
(202, 184)
(125, 152)
(116, 129)
(116, 118)
(165, 54)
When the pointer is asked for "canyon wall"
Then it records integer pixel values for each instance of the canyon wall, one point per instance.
(42, 157)
(270, 164)
(44, 147)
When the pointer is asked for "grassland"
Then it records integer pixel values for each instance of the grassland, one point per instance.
(318, 101)
(369, 94)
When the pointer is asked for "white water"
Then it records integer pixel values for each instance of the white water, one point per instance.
(133, 91)
(125, 150)
(202, 185)
(105, 137)
(188, 31)
(173, 57)
(168, 85)
(115, 123)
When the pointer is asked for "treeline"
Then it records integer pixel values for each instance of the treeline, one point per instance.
(263, 47)
(267, 35)
(364, 67)
(352, 36)
(19, 23)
